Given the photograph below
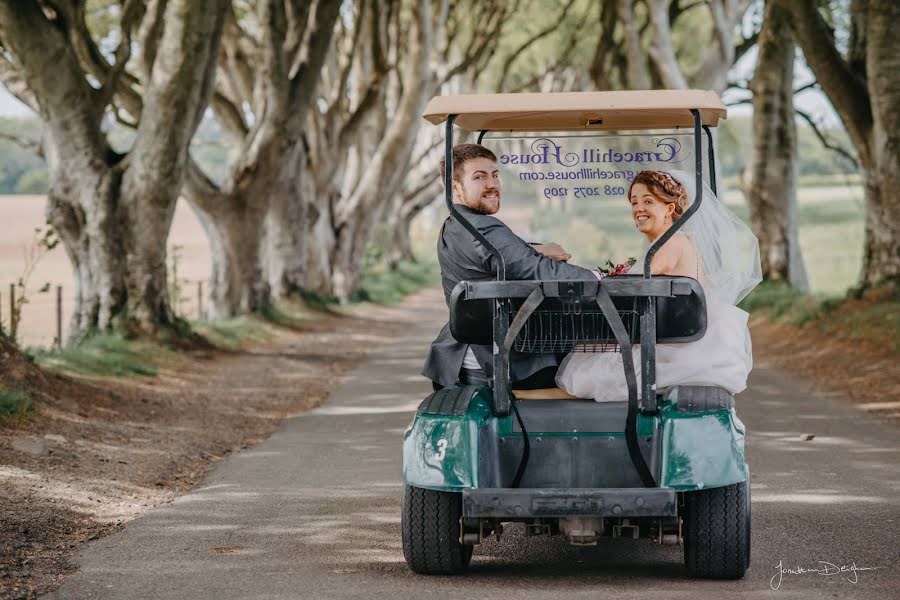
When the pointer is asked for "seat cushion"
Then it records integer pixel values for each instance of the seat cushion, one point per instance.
(545, 394)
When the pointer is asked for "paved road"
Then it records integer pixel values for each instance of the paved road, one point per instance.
(313, 512)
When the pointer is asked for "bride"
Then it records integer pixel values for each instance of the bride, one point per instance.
(714, 247)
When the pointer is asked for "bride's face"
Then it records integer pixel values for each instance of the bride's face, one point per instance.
(651, 215)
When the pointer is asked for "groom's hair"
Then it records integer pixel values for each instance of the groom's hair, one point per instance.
(665, 187)
(463, 153)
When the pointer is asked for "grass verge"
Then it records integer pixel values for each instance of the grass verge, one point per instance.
(238, 332)
(105, 354)
(391, 286)
(14, 405)
(114, 355)
(872, 316)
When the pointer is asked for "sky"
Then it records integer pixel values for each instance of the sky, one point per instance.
(10, 105)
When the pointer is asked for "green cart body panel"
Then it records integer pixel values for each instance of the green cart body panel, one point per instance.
(701, 450)
(695, 450)
(440, 452)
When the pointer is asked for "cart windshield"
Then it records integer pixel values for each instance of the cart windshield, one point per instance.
(572, 188)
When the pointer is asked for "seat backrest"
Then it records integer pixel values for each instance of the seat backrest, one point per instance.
(471, 321)
(559, 326)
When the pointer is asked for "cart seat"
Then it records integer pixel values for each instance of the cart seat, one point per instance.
(545, 394)
(558, 326)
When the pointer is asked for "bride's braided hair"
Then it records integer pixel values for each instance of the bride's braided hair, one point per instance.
(665, 187)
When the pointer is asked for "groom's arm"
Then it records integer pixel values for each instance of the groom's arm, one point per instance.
(523, 262)
(552, 250)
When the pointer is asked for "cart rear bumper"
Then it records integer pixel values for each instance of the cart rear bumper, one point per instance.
(574, 502)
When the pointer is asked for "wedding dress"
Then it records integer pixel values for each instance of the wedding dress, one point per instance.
(729, 268)
(722, 357)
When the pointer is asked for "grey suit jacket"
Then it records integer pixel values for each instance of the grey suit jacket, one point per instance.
(463, 258)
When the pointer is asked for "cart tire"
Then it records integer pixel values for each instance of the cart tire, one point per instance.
(430, 525)
(717, 532)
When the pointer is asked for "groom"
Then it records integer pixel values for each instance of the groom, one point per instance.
(476, 194)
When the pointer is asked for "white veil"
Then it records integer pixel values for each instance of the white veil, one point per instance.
(728, 254)
(727, 248)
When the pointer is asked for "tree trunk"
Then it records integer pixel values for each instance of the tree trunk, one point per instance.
(256, 221)
(283, 248)
(178, 88)
(769, 179)
(87, 229)
(318, 245)
(864, 88)
(347, 256)
(268, 240)
(245, 236)
(290, 213)
(113, 212)
(382, 161)
(662, 50)
(237, 284)
(405, 209)
(881, 259)
(401, 243)
(637, 76)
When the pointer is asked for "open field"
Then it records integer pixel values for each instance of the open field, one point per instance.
(831, 237)
(20, 215)
(831, 223)
(831, 226)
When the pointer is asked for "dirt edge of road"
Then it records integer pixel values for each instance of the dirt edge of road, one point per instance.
(866, 374)
(99, 452)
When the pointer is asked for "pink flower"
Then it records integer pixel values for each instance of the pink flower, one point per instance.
(619, 269)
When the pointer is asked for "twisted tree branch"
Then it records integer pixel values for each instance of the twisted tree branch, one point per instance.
(15, 83)
(482, 40)
(844, 86)
(131, 14)
(303, 83)
(515, 54)
(825, 143)
(26, 143)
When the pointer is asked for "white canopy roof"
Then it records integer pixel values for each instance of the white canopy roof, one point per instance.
(578, 111)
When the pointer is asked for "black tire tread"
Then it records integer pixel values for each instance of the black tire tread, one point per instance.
(717, 532)
(430, 531)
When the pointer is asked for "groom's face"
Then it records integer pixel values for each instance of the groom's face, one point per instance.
(479, 186)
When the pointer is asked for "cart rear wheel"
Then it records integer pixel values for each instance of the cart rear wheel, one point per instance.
(717, 532)
(430, 525)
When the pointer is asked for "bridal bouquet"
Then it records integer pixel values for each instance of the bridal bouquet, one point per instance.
(620, 269)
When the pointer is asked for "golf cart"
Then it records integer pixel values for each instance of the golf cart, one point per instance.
(667, 465)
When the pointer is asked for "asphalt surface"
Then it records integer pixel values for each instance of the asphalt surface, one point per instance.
(314, 511)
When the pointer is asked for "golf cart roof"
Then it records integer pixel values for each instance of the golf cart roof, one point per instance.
(578, 111)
